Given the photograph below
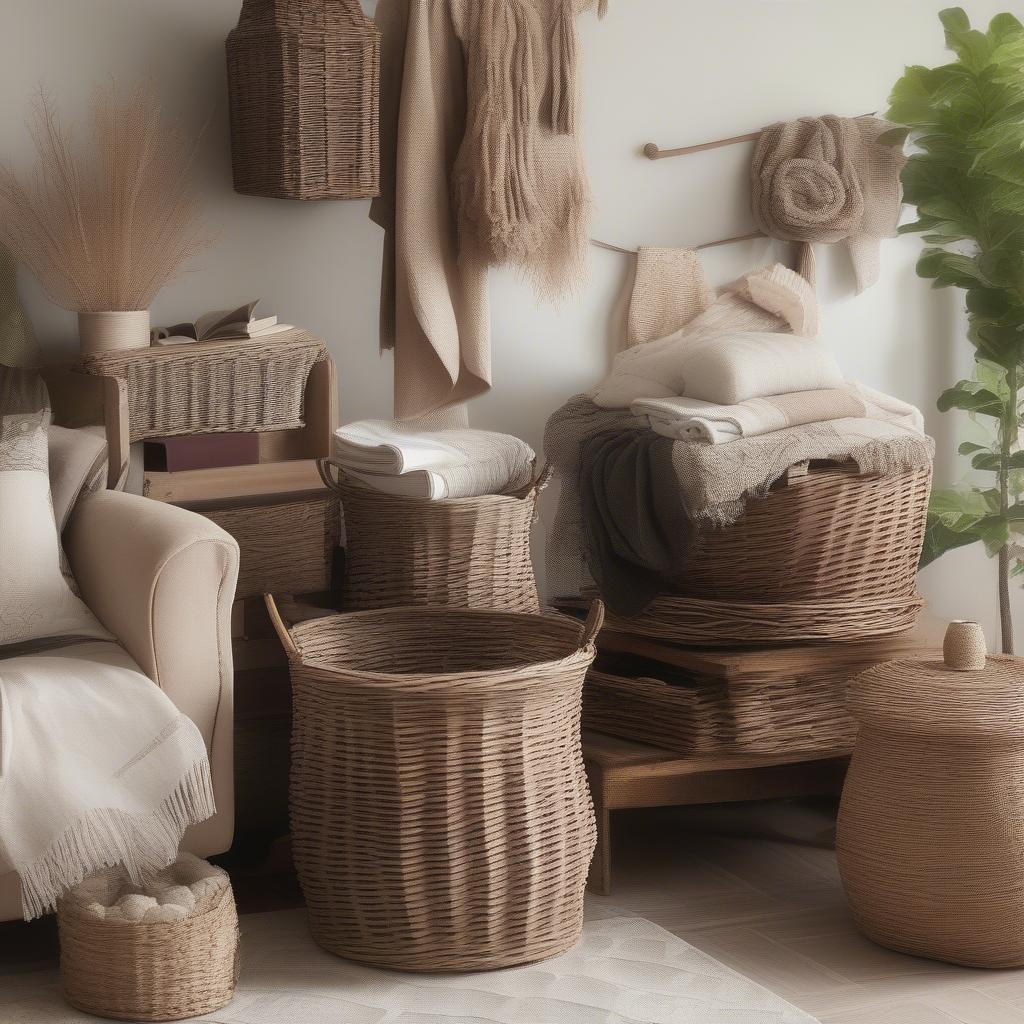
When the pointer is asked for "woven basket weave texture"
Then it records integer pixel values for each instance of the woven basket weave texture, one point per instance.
(214, 387)
(150, 972)
(286, 545)
(464, 552)
(303, 86)
(931, 825)
(828, 556)
(441, 818)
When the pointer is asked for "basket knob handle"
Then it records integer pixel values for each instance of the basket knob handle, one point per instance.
(280, 628)
(323, 467)
(595, 620)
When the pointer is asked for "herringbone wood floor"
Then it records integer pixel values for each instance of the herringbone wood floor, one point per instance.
(772, 908)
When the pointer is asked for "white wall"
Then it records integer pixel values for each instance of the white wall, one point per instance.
(670, 71)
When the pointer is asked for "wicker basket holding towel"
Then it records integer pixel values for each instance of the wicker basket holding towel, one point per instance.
(441, 819)
(829, 554)
(163, 952)
(460, 552)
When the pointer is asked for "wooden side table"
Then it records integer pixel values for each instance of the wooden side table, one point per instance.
(626, 775)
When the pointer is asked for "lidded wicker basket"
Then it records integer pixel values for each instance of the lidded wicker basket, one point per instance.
(460, 552)
(930, 838)
(441, 818)
(829, 554)
(304, 85)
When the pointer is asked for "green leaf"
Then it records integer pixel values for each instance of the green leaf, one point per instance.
(990, 461)
(971, 397)
(958, 509)
(938, 539)
(969, 448)
(951, 269)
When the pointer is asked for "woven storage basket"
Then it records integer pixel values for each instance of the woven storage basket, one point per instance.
(931, 825)
(214, 387)
(441, 819)
(828, 554)
(287, 542)
(303, 88)
(693, 714)
(464, 552)
(139, 971)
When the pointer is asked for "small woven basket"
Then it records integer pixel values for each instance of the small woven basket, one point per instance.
(463, 552)
(828, 554)
(441, 818)
(286, 542)
(214, 387)
(303, 89)
(137, 971)
(930, 838)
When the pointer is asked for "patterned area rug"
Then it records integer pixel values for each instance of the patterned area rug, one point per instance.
(624, 971)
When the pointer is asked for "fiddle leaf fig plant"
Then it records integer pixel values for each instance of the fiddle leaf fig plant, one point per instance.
(965, 120)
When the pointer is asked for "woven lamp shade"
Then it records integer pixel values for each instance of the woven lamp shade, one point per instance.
(931, 826)
(303, 89)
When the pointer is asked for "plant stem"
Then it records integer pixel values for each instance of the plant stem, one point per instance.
(1008, 437)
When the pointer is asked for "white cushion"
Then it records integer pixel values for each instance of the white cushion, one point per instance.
(36, 601)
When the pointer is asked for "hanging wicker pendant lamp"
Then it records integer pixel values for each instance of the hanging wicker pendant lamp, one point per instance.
(303, 86)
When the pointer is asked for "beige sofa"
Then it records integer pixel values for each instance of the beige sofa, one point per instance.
(162, 580)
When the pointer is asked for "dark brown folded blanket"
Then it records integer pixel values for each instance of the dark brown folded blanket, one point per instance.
(635, 527)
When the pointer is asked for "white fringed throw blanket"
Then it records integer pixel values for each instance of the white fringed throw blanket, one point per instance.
(97, 768)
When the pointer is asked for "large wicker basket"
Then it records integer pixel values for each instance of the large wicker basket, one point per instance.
(138, 971)
(441, 819)
(303, 85)
(463, 552)
(829, 554)
(930, 837)
(214, 387)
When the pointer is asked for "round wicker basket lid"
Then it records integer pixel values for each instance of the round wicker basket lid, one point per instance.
(940, 697)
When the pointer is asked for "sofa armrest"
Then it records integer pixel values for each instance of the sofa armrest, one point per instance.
(162, 580)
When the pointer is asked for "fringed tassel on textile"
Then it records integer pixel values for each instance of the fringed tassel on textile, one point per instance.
(105, 837)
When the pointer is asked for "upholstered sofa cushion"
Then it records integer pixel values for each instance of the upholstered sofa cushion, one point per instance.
(36, 600)
(78, 465)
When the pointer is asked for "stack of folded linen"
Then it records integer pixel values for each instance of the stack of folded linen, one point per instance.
(397, 458)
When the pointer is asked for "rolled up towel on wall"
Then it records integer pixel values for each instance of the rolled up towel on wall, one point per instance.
(829, 179)
(690, 419)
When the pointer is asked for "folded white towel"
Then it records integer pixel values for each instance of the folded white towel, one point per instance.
(725, 368)
(395, 457)
(691, 419)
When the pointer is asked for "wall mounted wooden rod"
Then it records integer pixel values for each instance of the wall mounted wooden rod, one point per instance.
(703, 245)
(654, 152)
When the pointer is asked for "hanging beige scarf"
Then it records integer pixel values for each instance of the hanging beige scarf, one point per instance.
(519, 186)
(829, 179)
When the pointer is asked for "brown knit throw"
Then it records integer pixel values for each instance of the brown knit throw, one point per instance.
(522, 89)
(829, 179)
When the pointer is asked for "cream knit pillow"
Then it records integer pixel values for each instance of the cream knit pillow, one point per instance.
(36, 602)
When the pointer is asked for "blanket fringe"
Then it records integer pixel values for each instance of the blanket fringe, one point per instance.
(106, 837)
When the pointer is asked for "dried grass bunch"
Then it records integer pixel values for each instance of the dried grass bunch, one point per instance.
(106, 225)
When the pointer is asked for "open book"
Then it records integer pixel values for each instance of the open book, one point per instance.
(221, 325)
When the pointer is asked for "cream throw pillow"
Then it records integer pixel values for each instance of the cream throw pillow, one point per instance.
(36, 602)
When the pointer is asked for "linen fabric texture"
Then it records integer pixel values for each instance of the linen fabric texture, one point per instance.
(37, 602)
(829, 179)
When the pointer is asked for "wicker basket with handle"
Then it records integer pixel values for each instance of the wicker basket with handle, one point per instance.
(441, 818)
(303, 84)
(462, 552)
